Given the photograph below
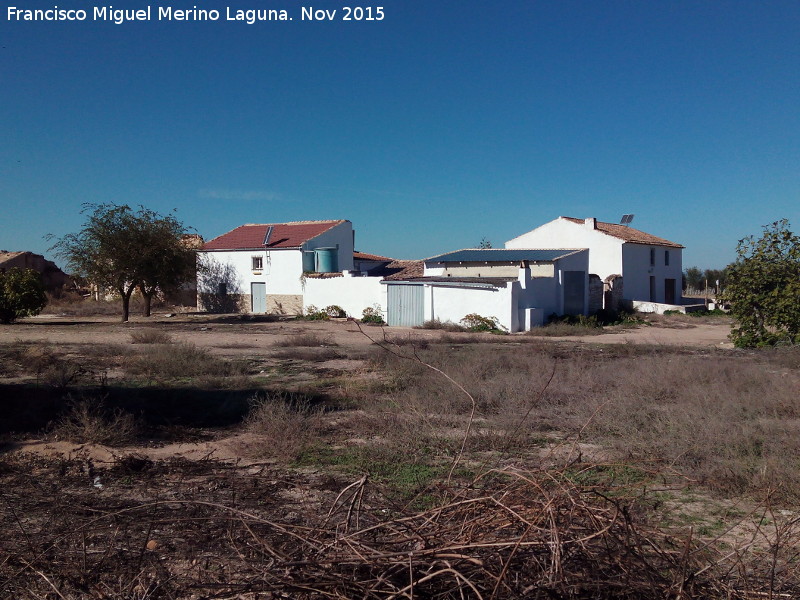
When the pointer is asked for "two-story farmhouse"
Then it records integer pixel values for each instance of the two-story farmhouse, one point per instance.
(650, 266)
(260, 268)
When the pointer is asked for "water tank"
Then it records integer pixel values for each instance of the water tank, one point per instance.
(308, 262)
(326, 260)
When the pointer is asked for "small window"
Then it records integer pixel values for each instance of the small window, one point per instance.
(666, 258)
(652, 257)
(258, 263)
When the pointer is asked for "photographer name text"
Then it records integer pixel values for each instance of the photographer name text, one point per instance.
(119, 16)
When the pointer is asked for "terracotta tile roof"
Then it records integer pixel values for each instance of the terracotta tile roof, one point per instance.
(364, 256)
(399, 270)
(284, 235)
(628, 234)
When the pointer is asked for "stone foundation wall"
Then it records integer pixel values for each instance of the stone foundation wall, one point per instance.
(285, 304)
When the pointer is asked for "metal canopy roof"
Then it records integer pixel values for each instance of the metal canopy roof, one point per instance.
(502, 255)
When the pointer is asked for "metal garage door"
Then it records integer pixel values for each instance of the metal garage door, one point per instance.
(574, 286)
(406, 305)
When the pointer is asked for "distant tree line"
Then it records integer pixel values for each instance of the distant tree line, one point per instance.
(696, 279)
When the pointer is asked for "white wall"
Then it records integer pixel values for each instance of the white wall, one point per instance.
(449, 303)
(605, 257)
(636, 277)
(353, 294)
(342, 236)
(281, 269)
(547, 293)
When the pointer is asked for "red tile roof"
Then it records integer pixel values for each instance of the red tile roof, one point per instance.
(400, 270)
(628, 234)
(284, 235)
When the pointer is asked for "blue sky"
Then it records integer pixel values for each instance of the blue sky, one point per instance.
(442, 124)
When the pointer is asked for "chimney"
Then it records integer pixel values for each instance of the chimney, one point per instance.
(590, 223)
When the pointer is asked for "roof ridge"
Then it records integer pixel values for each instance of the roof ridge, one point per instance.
(319, 221)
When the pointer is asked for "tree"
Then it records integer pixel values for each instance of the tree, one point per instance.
(166, 260)
(763, 288)
(120, 249)
(485, 244)
(21, 294)
(692, 279)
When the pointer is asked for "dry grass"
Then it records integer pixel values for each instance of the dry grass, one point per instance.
(564, 330)
(88, 421)
(178, 361)
(647, 405)
(150, 336)
(286, 424)
(305, 340)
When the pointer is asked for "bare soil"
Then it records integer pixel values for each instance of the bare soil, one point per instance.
(199, 505)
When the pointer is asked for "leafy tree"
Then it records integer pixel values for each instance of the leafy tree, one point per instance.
(166, 260)
(21, 294)
(485, 244)
(122, 249)
(763, 288)
(692, 279)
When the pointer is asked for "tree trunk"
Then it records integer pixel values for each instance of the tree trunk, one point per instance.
(126, 303)
(147, 298)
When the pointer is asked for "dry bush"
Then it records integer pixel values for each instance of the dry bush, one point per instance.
(150, 336)
(180, 360)
(512, 534)
(443, 325)
(305, 340)
(88, 421)
(286, 423)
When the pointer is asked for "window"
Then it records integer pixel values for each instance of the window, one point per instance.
(666, 258)
(258, 263)
(222, 289)
(652, 257)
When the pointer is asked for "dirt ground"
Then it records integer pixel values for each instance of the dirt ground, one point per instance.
(201, 515)
(230, 335)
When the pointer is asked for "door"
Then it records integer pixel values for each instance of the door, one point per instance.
(574, 292)
(258, 295)
(652, 289)
(669, 291)
(406, 305)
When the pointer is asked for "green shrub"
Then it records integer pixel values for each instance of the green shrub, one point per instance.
(21, 294)
(475, 322)
(335, 311)
(312, 313)
(373, 315)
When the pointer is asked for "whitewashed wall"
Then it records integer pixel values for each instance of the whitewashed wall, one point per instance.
(638, 270)
(353, 294)
(450, 303)
(605, 257)
(547, 293)
(281, 269)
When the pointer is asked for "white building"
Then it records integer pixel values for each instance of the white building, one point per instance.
(518, 288)
(650, 266)
(261, 268)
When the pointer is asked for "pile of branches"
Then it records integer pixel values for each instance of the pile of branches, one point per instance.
(510, 535)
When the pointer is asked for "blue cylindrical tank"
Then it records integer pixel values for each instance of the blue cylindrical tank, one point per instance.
(326, 260)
